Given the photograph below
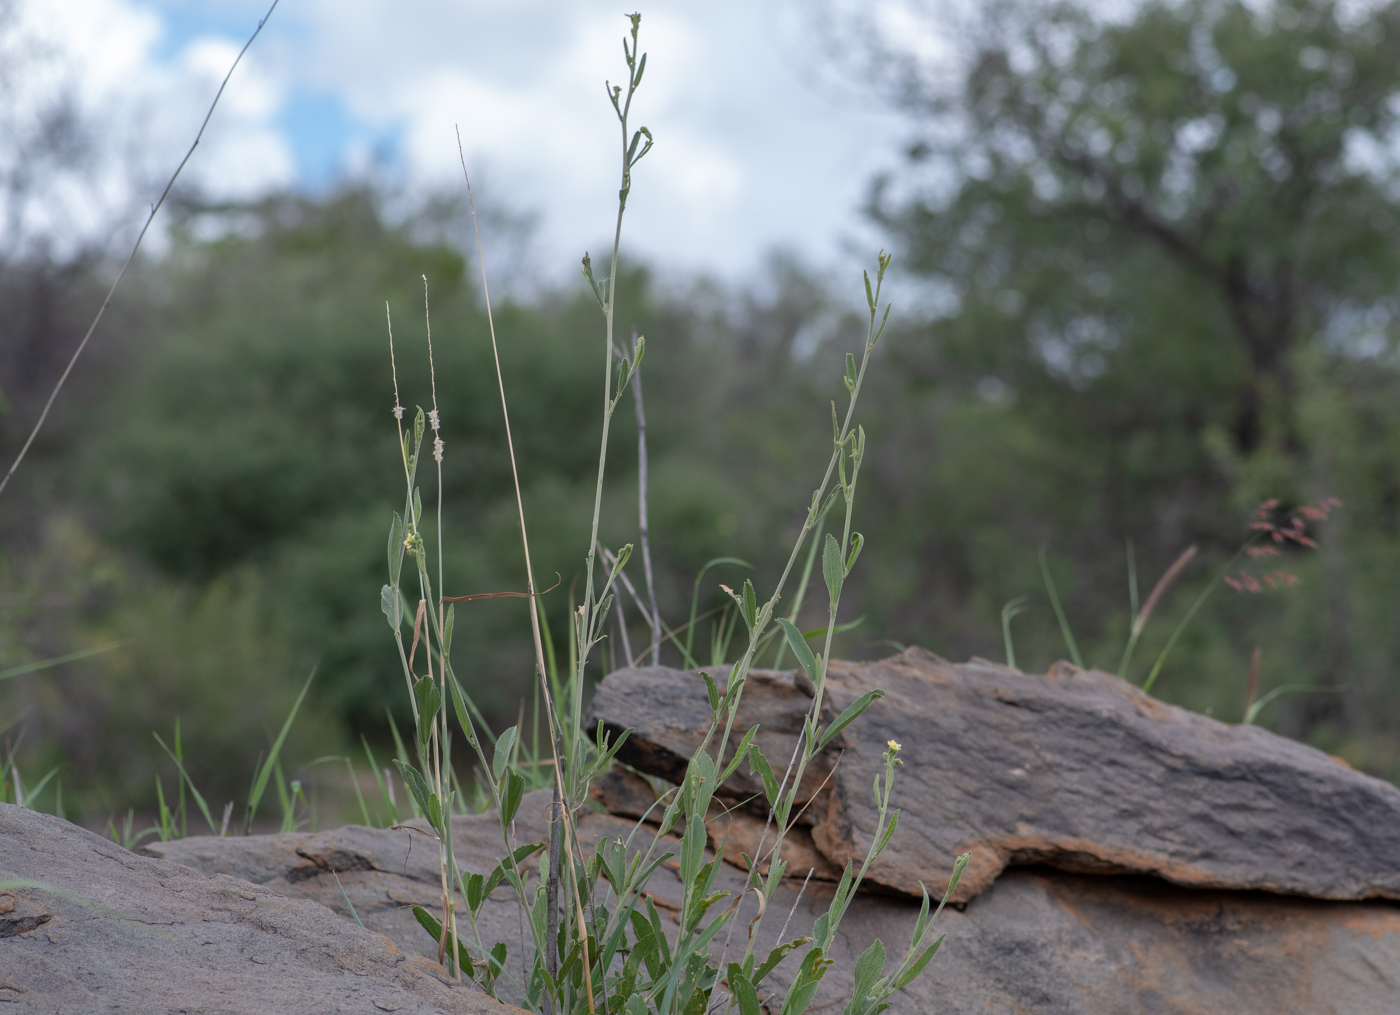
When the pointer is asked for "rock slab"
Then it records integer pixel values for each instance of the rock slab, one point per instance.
(1038, 941)
(1074, 769)
(87, 926)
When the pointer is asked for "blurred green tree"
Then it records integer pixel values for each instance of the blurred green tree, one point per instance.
(1165, 243)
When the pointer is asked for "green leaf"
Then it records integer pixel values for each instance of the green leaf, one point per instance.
(693, 849)
(448, 624)
(434, 929)
(907, 977)
(429, 701)
(869, 292)
(777, 955)
(759, 764)
(798, 644)
(804, 986)
(395, 547)
(600, 614)
(750, 604)
(504, 745)
(832, 569)
(958, 867)
(868, 969)
(850, 715)
(415, 783)
(389, 605)
(702, 907)
(260, 784)
(600, 290)
(472, 891)
(739, 753)
(743, 991)
(712, 691)
(850, 377)
(857, 541)
(198, 797)
(512, 792)
(498, 873)
(889, 834)
(1070, 643)
(883, 321)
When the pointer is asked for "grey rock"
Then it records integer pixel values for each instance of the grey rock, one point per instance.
(1038, 940)
(1073, 769)
(87, 926)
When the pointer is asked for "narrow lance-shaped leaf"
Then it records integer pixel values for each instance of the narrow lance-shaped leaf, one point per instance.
(599, 289)
(759, 764)
(429, 701)
(415, 783)
(883, 321)
(852, 712)
(777, 955)
(395, 547)
(799, 647)
(889, 833)
(739, 753)
(833, 570)
(505, 743)
(711, 690)
(434, 929)
(907, 977)
(512, 792)
(255, 796)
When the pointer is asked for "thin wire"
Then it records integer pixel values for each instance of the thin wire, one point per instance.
(132, 256)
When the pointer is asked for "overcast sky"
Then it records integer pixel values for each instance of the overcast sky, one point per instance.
(761, 141)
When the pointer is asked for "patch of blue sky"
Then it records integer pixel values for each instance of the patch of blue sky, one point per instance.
(324, 136)
(185, 21)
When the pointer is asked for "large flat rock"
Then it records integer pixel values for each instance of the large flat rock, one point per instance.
(1038, 941)
(1074, 769)
(86, 926)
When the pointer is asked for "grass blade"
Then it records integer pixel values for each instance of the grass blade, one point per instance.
(1073, 646)
(260, 784)
(198, 796)
(44, 664)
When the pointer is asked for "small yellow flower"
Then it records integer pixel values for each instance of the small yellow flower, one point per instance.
(895, 747)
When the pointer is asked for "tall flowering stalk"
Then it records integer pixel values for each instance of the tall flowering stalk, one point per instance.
(597, 943)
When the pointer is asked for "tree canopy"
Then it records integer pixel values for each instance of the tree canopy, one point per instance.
(1167, 241)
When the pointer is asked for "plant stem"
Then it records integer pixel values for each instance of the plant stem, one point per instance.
(642, 512)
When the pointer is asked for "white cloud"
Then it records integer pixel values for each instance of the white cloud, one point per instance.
(748, 153)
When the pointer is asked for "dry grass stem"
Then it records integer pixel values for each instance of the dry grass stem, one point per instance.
(107, 301)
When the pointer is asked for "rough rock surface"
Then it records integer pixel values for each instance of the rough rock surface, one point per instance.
(87, 926)
(1038, 941)
(1075, 769)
